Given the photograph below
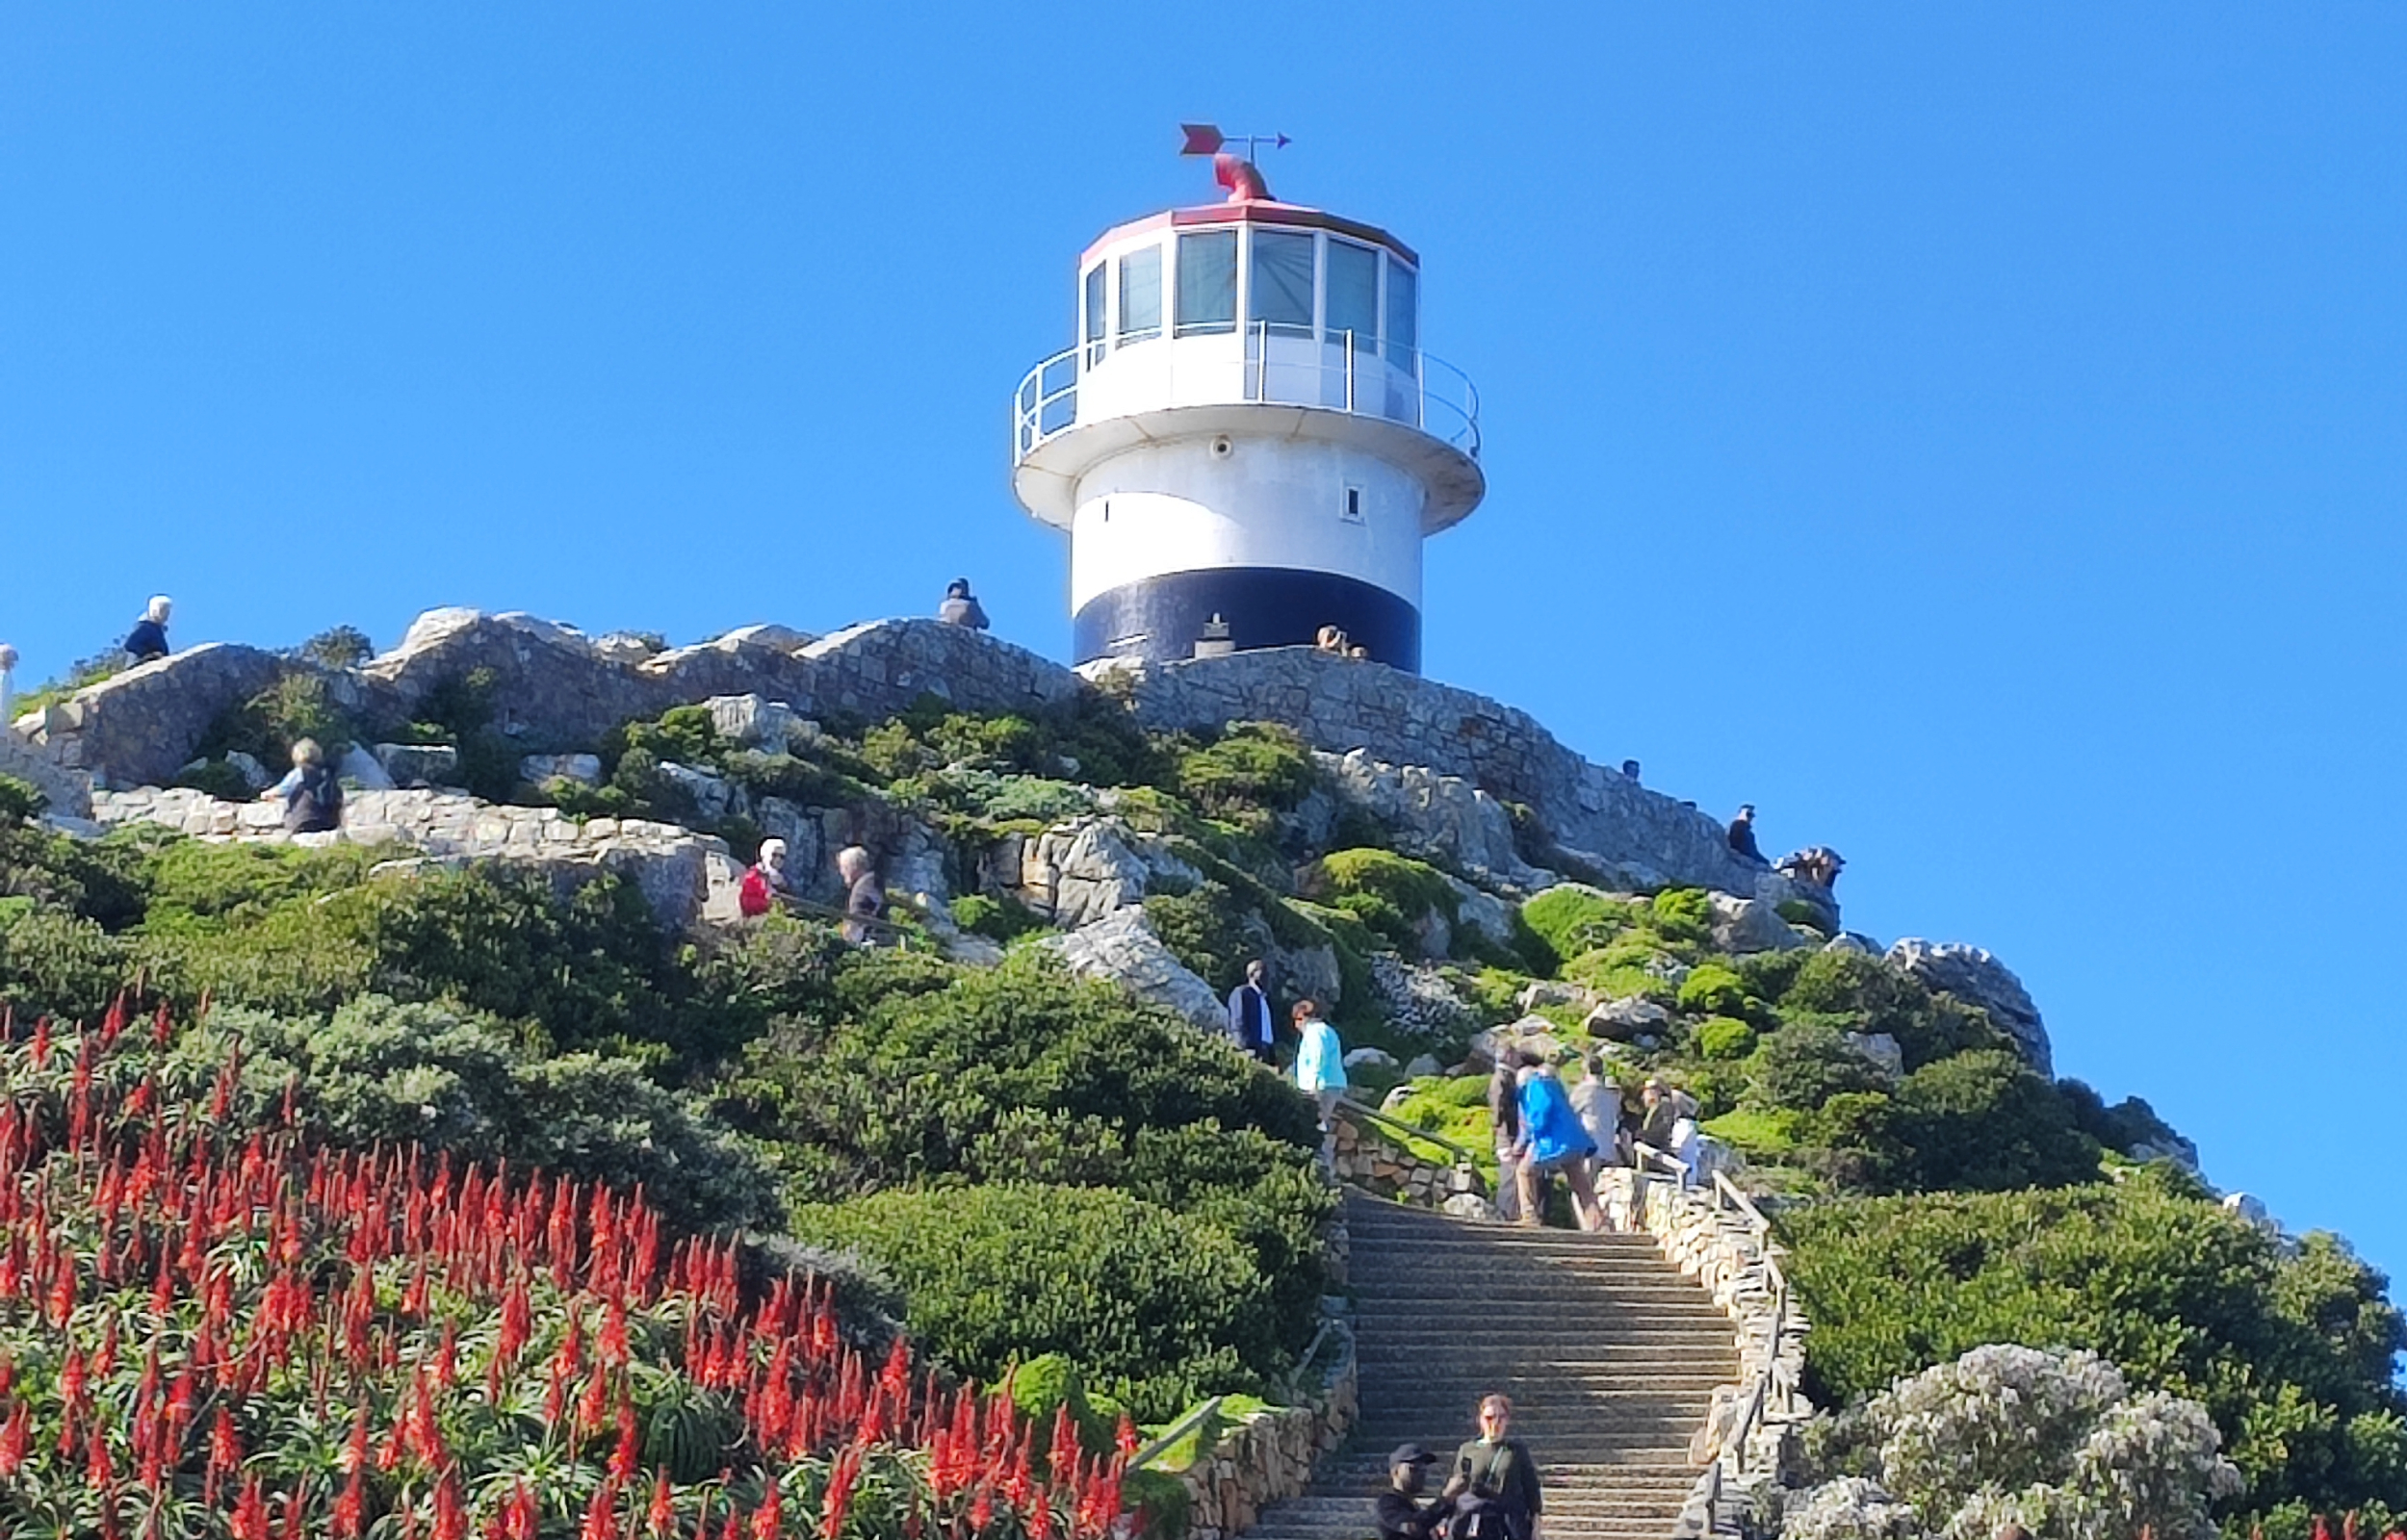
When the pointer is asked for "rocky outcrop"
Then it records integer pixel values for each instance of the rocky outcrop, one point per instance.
(1441, 817)
(1627, 834)
(65, 793)
(1975, 976)
(1742, 925)
(141, 727)
(676, 871)
(1081, 871)
(1123, 948)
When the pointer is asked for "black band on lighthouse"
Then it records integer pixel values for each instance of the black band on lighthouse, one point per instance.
(1160, 619)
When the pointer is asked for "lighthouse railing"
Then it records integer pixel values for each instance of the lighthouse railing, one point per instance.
(1331, 372)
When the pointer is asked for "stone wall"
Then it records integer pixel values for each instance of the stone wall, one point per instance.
(1633, 838)
(1731, 1253)
(1371, 1160)
(68, 792)
(679, 872)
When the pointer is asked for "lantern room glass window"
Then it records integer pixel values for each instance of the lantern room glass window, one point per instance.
(1207, 282)
(1282, 294)
(1354, 294)
(1096, 315)
(1404, 316)
(1141, 295)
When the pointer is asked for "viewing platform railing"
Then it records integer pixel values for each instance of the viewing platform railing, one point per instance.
(1271, 367)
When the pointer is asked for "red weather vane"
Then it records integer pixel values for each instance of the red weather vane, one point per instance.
(1236, 172)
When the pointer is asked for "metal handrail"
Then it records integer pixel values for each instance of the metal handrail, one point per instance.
(1172, 1434)
(1462, 1155)
(1036, 402)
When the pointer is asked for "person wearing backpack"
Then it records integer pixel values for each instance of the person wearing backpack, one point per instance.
(311, 792)
(764, 881)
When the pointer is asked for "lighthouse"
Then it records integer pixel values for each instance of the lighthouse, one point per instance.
(1247, 440)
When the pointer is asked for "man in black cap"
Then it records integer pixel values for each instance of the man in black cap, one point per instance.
(1400, 1517)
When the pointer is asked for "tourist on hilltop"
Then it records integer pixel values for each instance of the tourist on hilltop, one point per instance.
(1331, 640)
(1817, 864)
(8, 685)
(1742, 833)
(1504, 1120)
(1250, 1021)
(1494, 1484)
(1629, 770)
(865, 897)
(1401, 1516)
(311, 792)
(1661, 1105)
(764, 881)
(961, 607)
(1598, 1102)
(1320, 1065)
(1553, 1139)
(148, 639)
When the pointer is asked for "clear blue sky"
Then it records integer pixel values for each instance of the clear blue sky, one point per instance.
(1974, 435)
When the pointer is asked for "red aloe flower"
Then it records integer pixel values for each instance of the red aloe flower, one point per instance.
(662, 1516)
(225, 1444)
(14, 1434)
(351, 1507)
(1125, 1440)
(249, 1521)
(598, 1525)
(451, 1519)
(770, 1515)
(841, 1476)
(982, 1508)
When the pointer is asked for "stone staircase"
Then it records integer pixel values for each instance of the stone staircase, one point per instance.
(1610, 1355)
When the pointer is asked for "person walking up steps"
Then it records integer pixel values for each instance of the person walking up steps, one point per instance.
(1503, 1116)
(1494, 1486)
(1320, 1069)
(1553, 1139)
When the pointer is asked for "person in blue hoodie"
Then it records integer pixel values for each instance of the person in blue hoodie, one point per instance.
(1553, 1139)
(148, 639)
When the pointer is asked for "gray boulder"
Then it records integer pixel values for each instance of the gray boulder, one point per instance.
(1533, 1033)
(1434, 815)
(1882, 1051)
(1743, 925)
(1627, 1020)
(714, 797)
(1122, 947)
(360, 768)
(1975, 977)
(254, 774)
(421, 764)
(758, 723)
(584, 769)
(1081, 871)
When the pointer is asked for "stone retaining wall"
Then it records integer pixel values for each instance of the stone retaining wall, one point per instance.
(1368, 1158)
(69, 794)
(1727, 1254)
(679, 873)
(1270, 1456)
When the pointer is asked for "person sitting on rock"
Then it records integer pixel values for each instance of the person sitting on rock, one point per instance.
(1818, 865)
(148, 639)
(1661, 1110)
(1331, 640)
(1401, 1515)
(1359, 653)
(1742, 833)
(764, 881)
(961, 607)
(865, 897)
(311, 792)
(1629, 770)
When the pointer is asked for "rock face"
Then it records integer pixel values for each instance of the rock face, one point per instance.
(757, 722)
(1975, 977)
(1080, 872)
(425, 764)
(1123, 948)
(68, 792)
(676, 869)
(1434, 815)
(1749, 925)
(140, 726)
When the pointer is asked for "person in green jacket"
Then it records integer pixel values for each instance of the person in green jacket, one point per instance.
(1496, 1469)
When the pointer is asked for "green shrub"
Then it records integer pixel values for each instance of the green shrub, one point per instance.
(999, 919)
(1753, 1131)
(302, 704)
(1859, 993)
(2291, 1353)
(1983, 1121)
(1805, 1064)
(1249, 776)
(1205, 929)
(1796, 911)
(1155, 1306)
(1571, 919)
(216, 777)
(1682, 914)
(338, 647)
(1712, 989)
(1725, 1038)
(1390, 894)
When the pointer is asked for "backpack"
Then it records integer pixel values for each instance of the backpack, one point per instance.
(318, 806)
(752, 898)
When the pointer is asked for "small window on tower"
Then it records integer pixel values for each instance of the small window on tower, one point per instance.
(1350, 506)
(1095, 315)
(1354, 294)
(1404, 316)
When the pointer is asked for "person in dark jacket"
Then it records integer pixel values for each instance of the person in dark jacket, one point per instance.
(960, 608)
(1401, 1516)
(311, 794)
(865, 897)
(1249, 1013)
(1504, 1116)
(1742, 833)
(1496, 1467)
(148, 639)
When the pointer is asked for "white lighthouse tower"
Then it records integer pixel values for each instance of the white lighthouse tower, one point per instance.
(1247, 430)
